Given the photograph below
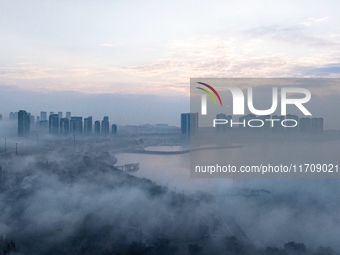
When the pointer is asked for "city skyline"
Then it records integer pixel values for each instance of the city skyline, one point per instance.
(56, 124)
(89, 124)
(93, 57)
(159, 110)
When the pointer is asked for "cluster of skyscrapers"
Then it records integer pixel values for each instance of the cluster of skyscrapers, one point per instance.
(56, 124)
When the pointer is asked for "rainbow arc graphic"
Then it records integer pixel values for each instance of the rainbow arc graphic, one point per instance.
(211, 92)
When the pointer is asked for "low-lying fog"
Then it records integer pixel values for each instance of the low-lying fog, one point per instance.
(57, 200)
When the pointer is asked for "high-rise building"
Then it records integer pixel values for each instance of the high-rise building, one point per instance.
(277, 123)
(43, 115)
(88, 125)
(243, 121)
(76, 125)
(31, 119)
(189, 123)
(290, 122)
(64, 126)
(266, 124)
(13, 116)
(54, 124)
(97, 127)
(304, 124)
(43, 125)
(0, 117)
(68, 115)
(317, 125)
(114, 129)
(60, 115)
(223, 127)
(23, 123)
(105, 126)
(51, 113)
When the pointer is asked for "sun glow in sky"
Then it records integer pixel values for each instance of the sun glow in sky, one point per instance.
(156, 46)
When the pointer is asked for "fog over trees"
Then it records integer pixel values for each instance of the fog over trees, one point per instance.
(55, 200)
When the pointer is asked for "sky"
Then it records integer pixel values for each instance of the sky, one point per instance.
(155, 47)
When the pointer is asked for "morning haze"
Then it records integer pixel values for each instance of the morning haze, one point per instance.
(97, 136)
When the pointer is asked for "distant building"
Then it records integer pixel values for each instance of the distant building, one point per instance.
(223, 127)
(161, 125)
(64, 126)
(189, 123)
(76, 125)
(105, 126)
(43, 115)
(0, 117)
(243, 120)
(304, 124)
(88, 125)
(54, 124)
(97, 127)
(317, 125)
(277, 123)
(13, 116)
(31, 119)
(60, 115)
(114, 129)
(51, 113)
(23, 123)
(266, 124)
(292, 123)
(68, 115)
(43, 125)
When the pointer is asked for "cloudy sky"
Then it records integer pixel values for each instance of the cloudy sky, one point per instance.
(154, 47)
